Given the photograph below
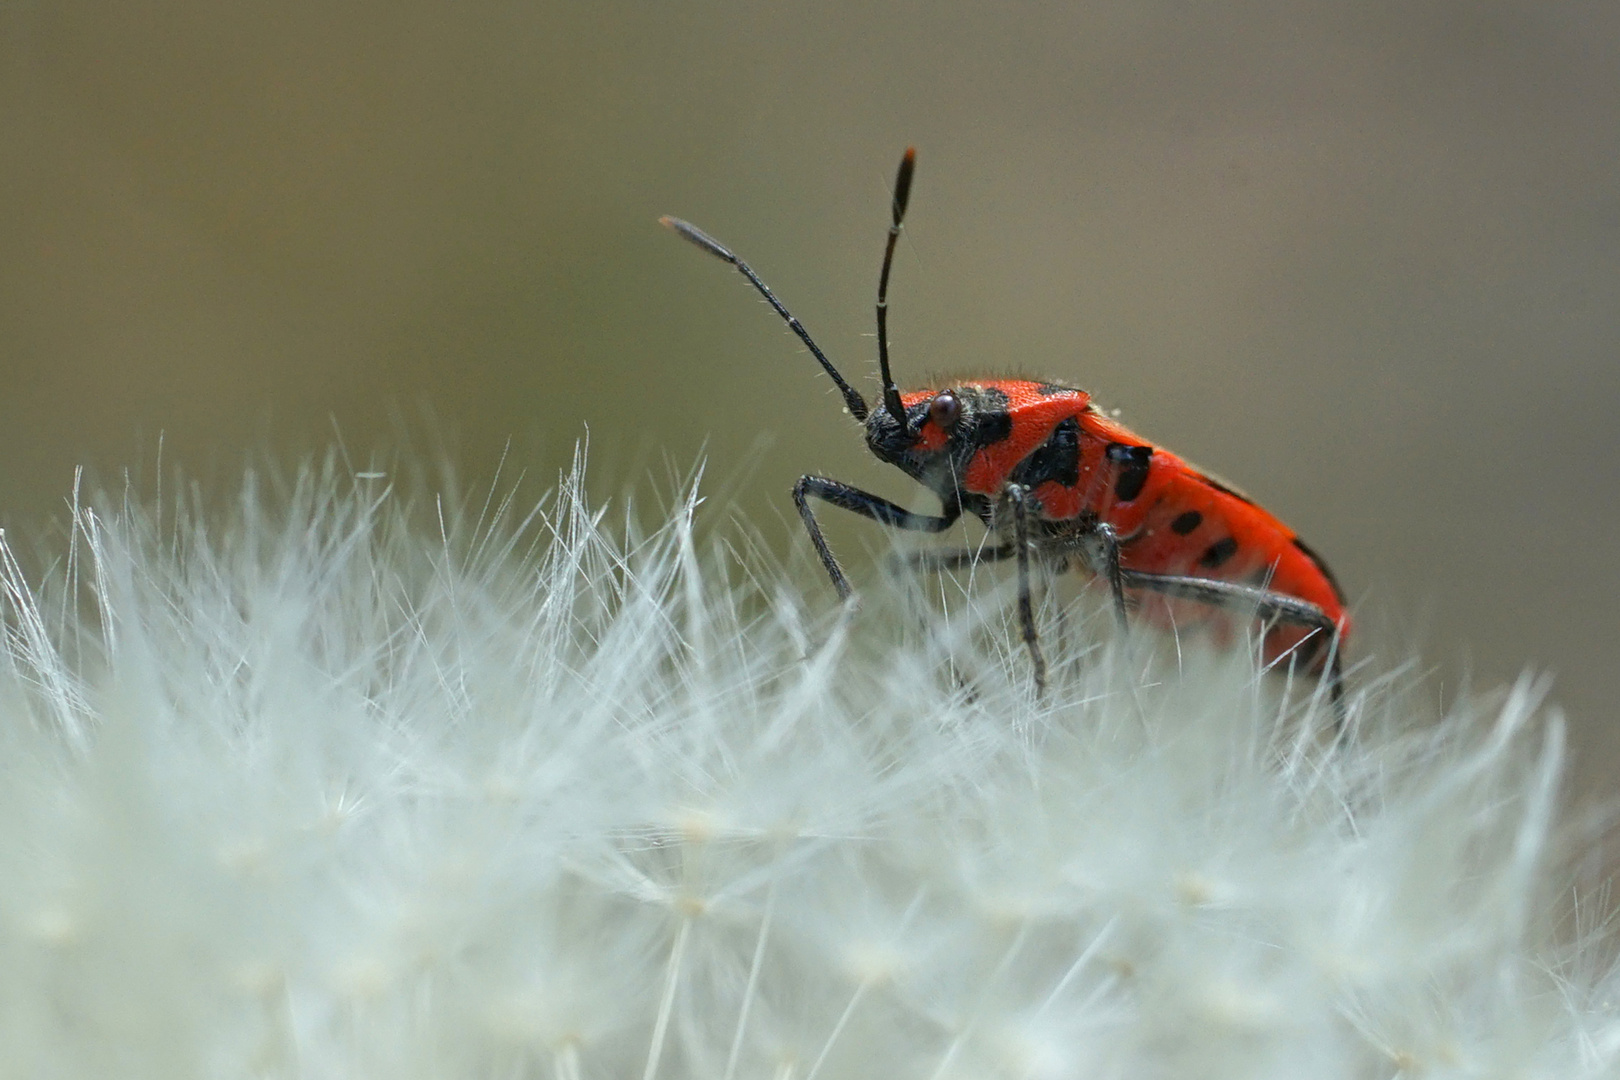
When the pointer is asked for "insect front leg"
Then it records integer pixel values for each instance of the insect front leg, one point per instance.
(867, 505)
(1269, 606)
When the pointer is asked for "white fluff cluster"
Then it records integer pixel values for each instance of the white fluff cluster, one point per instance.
(323, 792)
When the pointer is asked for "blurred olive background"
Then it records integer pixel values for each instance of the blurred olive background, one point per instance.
(1361, 258)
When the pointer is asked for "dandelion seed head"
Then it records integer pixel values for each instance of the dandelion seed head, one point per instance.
(357, 783)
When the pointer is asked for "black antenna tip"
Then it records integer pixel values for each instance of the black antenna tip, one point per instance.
(902, 183)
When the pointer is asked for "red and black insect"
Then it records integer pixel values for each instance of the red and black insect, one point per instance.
(1057, 479)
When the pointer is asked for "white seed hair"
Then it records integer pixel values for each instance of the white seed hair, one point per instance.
(321, 792)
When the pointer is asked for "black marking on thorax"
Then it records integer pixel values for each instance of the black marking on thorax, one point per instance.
(990, 420)
(1056, 459)
(1133, 469)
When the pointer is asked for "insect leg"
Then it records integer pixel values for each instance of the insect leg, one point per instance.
(1109, 541)
(1018, 495)
(867, 505)
(1266, 605)
(941, 561)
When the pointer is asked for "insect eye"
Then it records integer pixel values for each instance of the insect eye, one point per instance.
(945, 410)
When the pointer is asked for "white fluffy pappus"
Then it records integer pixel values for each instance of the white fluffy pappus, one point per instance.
(322, 792)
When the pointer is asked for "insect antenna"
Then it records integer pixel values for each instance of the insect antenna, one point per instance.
(902, 194)
(852, 400)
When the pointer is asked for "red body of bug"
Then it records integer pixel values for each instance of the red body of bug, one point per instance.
(1060, 481)
(1170, 519)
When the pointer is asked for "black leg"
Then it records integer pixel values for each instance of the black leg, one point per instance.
(866, 504)
(1108, 539)
(1267, 605)
(1019, 497)
(940, 561)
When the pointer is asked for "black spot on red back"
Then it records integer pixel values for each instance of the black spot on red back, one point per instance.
(1186, 523)
(1054, 388)
(1218, 552)
(1133, 469)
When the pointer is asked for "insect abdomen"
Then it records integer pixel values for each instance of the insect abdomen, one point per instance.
(1172, 518)
(1193, 524)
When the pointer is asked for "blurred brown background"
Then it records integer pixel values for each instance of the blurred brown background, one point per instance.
(1364, 259)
